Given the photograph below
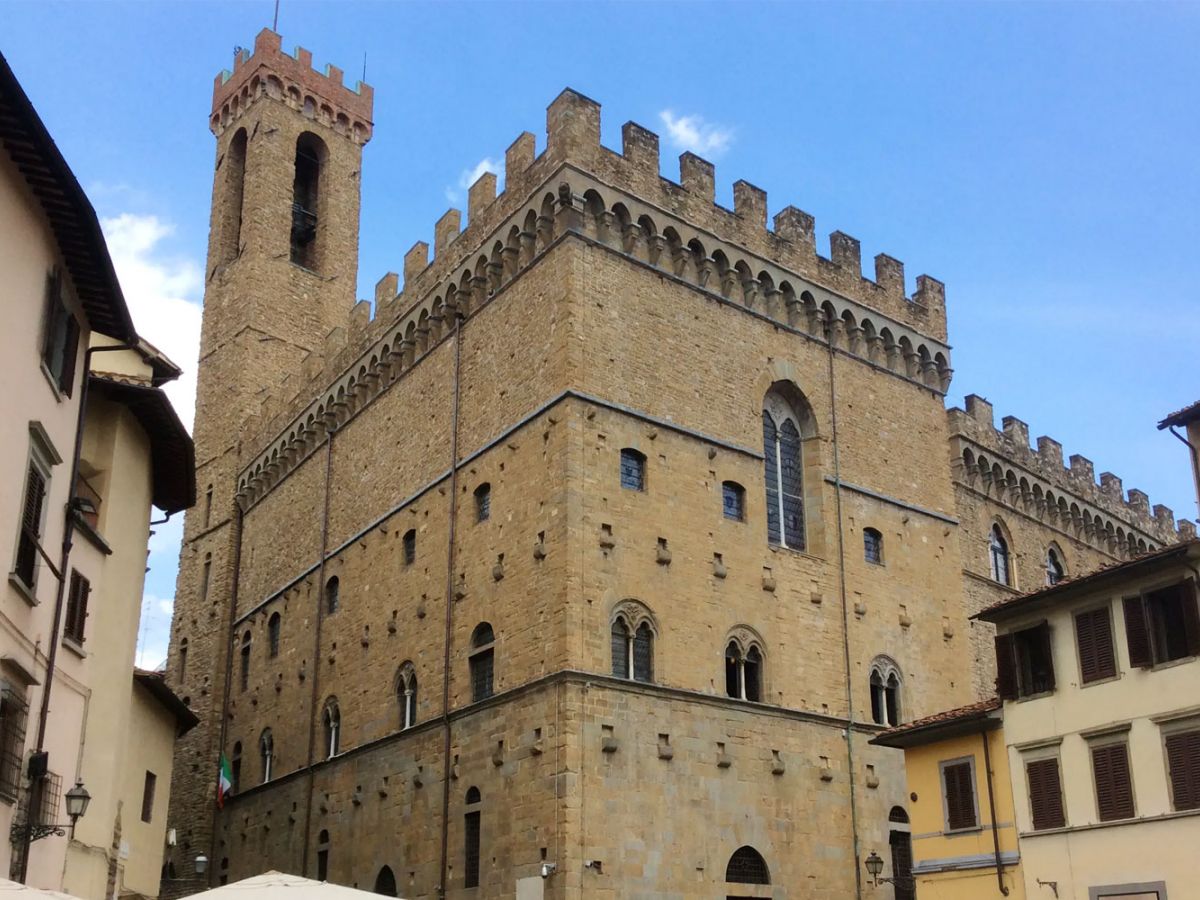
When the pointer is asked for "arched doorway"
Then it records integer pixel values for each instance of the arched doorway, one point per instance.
(385, 882)
(900, 842)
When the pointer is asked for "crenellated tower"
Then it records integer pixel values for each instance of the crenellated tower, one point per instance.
(281, 272)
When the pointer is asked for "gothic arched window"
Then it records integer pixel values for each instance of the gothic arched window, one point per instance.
(482, 662)
(747, 866)
(266, 752)
(998, 554)
(743, 671)
(885, 692)
(632, 648)
(273, 625)
(331, 719)
(785, 426)
(1055, 570)
(406, 693)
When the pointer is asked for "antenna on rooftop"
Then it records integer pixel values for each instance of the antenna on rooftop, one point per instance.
(275, 24)
(364, 78)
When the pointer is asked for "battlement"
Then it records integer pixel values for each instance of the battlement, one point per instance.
(1002, 462)
(291, 78)
(578, 187)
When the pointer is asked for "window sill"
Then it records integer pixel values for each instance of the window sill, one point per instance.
(91, 534)
(74, 646)
(781, 548)
(1109, 680)
(1172, 663)
(962, 832)
(25, 590)
(1038, 696)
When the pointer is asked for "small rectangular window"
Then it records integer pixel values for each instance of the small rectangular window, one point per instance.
(31, 525)
(1183, 766)
(77, 603)
(471, 850)
(1093, 637)
(410, 546)
(1114, 786)
(872, 546)
(958, 794)
(148, 796)
(1045, 794)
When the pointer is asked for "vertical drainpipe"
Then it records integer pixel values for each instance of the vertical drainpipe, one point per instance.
(316, 670)
(987, 764)
(837, 488)
(446, 638)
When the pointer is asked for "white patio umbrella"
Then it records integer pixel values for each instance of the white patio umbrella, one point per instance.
(13, 890)
(271, 886)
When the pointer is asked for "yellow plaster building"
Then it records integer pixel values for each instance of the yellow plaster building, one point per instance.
(964, 842)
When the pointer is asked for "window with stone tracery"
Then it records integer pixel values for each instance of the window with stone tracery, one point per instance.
(786, 425)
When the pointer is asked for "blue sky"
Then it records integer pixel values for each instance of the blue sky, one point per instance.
(1040, 159)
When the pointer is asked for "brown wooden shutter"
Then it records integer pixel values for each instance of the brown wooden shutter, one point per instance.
(66, 380)
(1093, 635)
(1114, 788)
(1045, 794)
(1006, 667)
(1183, 761)
(1191, 617)
(960, 796)
(35, 494)
(1137, 633)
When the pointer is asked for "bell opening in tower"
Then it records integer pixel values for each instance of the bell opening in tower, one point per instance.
(305, 201)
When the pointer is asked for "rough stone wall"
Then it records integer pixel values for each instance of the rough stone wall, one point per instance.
(261, 314)
(600, 306)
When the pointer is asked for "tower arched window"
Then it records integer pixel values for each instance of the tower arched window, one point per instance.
(482, 662)
(1055, 570)
(483, 502)
(472, 837)
(873, 546)
(306, 200)
(331, 720)
(266, 750)
(743, 671)
(998, 554)
(410, 546)
(633, 470)
(885, 692)
(244, 675)
(406, 694)
(231, 230)
(323, 855)
(787, 422)
(632, 649)
(183, 655)
(747, 866)
(235, 768)
(273, 627)
(385, 882)
(332, 595)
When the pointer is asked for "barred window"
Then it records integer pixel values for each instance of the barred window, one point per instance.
(733, 501)
(482, 662)
(747, 866)
(13, 712)
(873, 546)
(77, 607)
(472, 838)
(633, 470)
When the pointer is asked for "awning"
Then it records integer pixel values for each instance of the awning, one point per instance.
(278, 886)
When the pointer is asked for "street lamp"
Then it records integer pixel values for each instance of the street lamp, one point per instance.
(874, 865)
(78, 799)
(201, 864)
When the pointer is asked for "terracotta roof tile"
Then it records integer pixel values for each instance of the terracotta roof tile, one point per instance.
(1181, 416)
(971, 710)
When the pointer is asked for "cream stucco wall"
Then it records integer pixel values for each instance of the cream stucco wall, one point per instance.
(1158, 845)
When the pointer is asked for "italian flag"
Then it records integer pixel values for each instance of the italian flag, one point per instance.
(224, 781)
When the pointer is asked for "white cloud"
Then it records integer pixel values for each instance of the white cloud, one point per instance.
(470, 176)
(154, 632)
(163, 292)
(693, 133)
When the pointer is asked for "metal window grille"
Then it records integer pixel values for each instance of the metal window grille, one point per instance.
(482, 669)
(791, 486)
(747, 866)
(620, 649)
(49, 803)
(13, 712)
(872, 545)
(771, 471)
(643, 654)
(471, 849)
